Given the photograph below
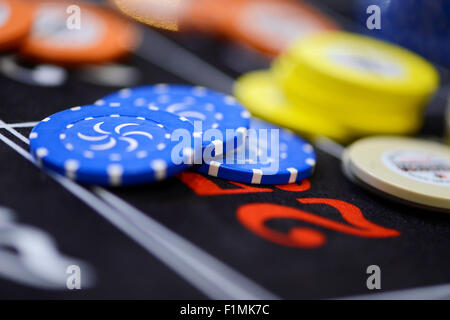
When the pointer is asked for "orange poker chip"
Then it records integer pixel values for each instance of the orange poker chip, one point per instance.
(163, 14)
(208, 16)
(75, 33)
(15, 22)
(269, 26)
(174, 15)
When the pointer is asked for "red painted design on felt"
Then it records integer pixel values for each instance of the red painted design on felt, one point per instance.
(202, 186)
(254, 216)
(305, 185)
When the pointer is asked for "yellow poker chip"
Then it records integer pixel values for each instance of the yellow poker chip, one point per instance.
(312, 87)
(364, 117)
(364, 120)
(369, 86)
(73, 33)
(258, 92)
(15, 22)
(349, 61)
(411, 170)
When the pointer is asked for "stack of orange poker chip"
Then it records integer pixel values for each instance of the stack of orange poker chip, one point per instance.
(163, 14)
(207, 16)
(267, 26)
(174, 15)
(15, 22)
(71, 33)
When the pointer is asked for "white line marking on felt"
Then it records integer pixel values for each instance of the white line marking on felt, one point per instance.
(206, 273)
(168, 55)
(14, 132)
(21, 124)
(438, 292)
(329, 146)
(202, 270)
(17, 148)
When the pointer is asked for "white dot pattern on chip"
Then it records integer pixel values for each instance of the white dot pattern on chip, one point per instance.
(163, 99)
(308, 148)
(293, 175)
(199, 91)
(160, 168)
(141, 154)
(245, 114)
(139, 102)
(125, 93)
(189, 100)
(188, 156)
(115, 157)
(88, 154)
(310, 161)
(41, 152)
(71, 166)
(160, 88)
(257, 176)
(115, 172)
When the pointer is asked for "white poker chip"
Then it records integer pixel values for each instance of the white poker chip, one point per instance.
(412, 170)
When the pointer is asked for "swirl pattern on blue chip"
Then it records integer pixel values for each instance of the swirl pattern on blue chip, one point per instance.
(215, 111)
(287, 158)
(113, 146)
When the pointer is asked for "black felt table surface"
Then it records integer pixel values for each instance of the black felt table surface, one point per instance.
(348, 228)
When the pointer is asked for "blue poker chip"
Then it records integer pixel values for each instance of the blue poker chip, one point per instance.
(113, 146)
(270, 155)
(215, 113)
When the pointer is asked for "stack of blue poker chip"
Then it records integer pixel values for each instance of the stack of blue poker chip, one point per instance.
(150, 133)
(113, 146)
(420, 25)
(270, 155)
(213, 113)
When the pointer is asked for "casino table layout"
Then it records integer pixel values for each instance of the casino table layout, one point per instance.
(194, 236)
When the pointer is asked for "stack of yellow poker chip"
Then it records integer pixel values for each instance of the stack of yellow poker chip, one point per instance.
(260, 94)
(343, 86)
